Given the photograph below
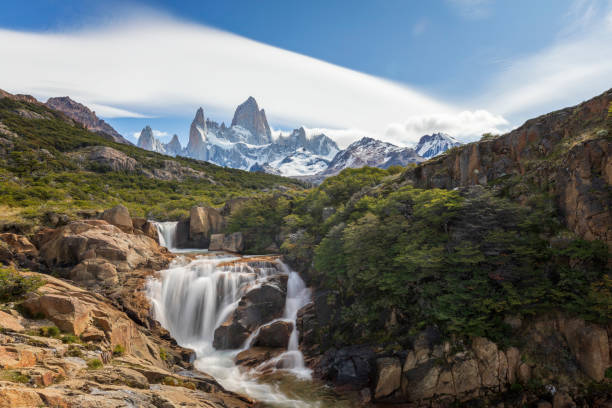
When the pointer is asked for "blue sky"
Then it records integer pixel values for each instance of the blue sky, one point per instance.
(462, 66)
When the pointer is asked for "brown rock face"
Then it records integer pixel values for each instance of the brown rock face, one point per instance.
(216, 242)
(81, 114)
(388, 377)
(203, 222)
(565, 152)
(77, 311)
(274, 335)
(233, 242)
(119, 216)
(109, 158)
(10, 322)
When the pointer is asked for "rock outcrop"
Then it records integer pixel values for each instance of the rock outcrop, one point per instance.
(249, 117)
(196, 147)
(566, 152)
(83, 115)
(274, 335)
(257, 307)
(107, 158)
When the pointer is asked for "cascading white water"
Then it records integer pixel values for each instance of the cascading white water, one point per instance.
(167, 233)
(192, 298)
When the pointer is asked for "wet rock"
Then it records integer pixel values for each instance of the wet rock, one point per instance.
(119, 216)
(274, 335)
(254, 356)
(257, 307)
(147, 227)
(388, 377)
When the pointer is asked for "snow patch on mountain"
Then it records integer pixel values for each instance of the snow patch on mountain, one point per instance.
(432, 145)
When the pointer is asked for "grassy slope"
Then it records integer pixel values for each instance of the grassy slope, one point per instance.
(37, 175)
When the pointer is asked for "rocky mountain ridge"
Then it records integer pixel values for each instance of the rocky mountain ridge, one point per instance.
(248, 144)
(83, 115)
(435, 144)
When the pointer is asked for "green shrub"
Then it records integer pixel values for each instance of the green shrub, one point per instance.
(163, 354)
(14, 284)
(118, 350)
(70, 338)
(94, 364)
(74, 351)
(49, 331)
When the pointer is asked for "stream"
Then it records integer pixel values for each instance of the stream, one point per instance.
(193, 297)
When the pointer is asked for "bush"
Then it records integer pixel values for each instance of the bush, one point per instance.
(14, 285)
(94, 364)
(118, 350)
(74, 351)
(163, 354)
(49, 331)
(70, 338)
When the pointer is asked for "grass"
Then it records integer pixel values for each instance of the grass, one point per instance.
(40, 175)
(14, 376)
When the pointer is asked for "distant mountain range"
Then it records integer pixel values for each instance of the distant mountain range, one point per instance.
(248, 144)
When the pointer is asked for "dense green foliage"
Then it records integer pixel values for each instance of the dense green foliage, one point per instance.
(39, 172)
(13, 284)
(396, 259)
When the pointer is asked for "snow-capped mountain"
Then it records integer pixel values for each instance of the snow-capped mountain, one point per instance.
(432, 145)
(147, 141)
(248, 144)
(371, 152)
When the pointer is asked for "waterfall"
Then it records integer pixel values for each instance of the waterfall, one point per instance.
(167, 233)
(194, 297)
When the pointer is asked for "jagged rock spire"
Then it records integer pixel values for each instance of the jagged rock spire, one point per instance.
(196, 147)
(249, 116)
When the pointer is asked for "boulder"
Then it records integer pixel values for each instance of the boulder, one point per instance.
(92, 271)
(216, 242)
(118, 216)
(99, 251)
(147, 227)
(388, 377)
(257, 307)
(10, 322)
(109, 158)
(17, 397)
(274, 335)
(204, 221)
(76, 311)
(254, 356)
(233, 242)
(349, 366)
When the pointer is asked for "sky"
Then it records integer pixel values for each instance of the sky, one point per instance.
(391, 69)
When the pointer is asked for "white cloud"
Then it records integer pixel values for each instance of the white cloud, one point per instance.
(112, 112)
(577, 67)
(466, 125)
(160, 66)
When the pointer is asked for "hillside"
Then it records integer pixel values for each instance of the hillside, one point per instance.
(51, 165)
(422, 275)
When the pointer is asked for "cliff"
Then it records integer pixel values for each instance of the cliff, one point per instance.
(565, 153)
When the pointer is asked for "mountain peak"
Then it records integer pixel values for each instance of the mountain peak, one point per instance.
(85, 116)
(250, 117)
(196, 147)
(437, 143)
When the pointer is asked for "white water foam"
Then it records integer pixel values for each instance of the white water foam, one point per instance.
(192, 298)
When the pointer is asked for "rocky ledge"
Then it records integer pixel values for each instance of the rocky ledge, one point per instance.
(85, 338)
